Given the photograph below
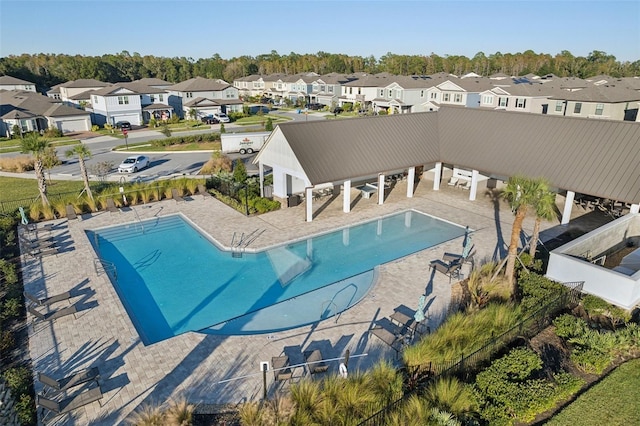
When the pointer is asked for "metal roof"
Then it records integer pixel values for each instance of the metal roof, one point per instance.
(336, 150)
(596, 157)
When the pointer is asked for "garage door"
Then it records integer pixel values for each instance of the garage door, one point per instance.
(131, 118)
(67, 126)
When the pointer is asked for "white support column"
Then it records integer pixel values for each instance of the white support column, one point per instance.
(568, 205)
(308, 198)
(635, 208)
(346, 196)
(474, 185)
(437, 176)
(411, 177)
(381, 189)
(261, 170)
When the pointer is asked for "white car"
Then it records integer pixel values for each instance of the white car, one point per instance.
(221, 117)
(133, 164)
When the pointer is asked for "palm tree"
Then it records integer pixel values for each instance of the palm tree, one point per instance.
(545, 210)
(522, 194)
(36, 145)
(82, 152)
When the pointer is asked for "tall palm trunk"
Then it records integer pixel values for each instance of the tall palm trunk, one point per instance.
(85, 176)
(42, 182)
(533, 243)
(521, 213)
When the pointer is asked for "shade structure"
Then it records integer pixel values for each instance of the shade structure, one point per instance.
(419, 315)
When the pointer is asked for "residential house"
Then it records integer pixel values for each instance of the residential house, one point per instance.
(116, 103)
(204, 96)
(365, 90)
(250, 86)
(298, 87)
(76, 93)
(11, 83)
(34, 112)
(327, 88)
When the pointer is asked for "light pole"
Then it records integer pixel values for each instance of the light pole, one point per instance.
(246, 197)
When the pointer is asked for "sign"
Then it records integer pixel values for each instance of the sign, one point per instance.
(125, 131)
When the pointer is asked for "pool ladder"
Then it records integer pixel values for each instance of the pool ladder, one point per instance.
(139, 221)
(105, 267)
(325, 307)
(239, 242)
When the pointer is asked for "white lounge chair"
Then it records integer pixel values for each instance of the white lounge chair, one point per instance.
(453, 181)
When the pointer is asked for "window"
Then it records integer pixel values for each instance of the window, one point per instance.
(152, 98)
(330, 89)
(446, 97)
(381, 92)
(161, 97)
(95, 99)
(390, 93)
(503, 102)
(577, 108)
(123, 100)
(521, 103)
(434, 95)
(458, 98)
(487, 100)
(189, 94)
(422, 93)
(599, 109)
(359, 90)
(559, 106)
(351, 90)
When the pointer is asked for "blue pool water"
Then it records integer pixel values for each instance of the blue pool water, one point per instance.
(172, 279)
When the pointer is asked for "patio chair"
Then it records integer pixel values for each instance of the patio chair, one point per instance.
(111, 206)
(202, 190)
(465, 185)
(451, 269)
(176, 196)
(48, 300)
(314, 362)
(74, 379)
(71, 213)
(53, 315)
(405, 321)
(71, 403)
(281, 371)
(453, 181)
(39, 252)
(394, 342)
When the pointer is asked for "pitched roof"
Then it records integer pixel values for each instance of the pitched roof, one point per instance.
(83, 82)
(152, 82)
(199, 84)
(597, 157)
(33, 104)
(6, 80)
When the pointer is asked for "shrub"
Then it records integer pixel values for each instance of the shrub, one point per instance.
(18, 379)
(95, 128)
(25, 408)
(591, 360)
(18, 164)
(263, 205)
(537, 290)
(595, 306)
(53, 132)
(7, 341)
(568, 326)
(11, 308)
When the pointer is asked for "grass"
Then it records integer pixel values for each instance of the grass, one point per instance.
(613, 401)
(13, 145)
(19, 189)
(257, 119)
(146, 147)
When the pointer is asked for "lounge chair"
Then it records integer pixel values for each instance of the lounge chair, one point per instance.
(53, 315)
(453, 181)
(48, 300)
(71, 403)
(395, 342)
(38, 253)
(74, 379)
(465, 185)
(176, 196)
(111, 206)
(451, 269)
(281, 371)
(405, 321)
(202, 190)
(314, 362)
(71, 213)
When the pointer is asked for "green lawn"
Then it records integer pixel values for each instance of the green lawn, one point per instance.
(613, 401)
(13, 145)
(146, 147)
(19, 189)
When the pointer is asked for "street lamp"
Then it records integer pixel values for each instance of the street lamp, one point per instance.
(246, 197)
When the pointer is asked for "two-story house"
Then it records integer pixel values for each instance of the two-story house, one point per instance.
(204, 96)
(327, 88)
(298, 87)
(76, 93)
(11, 83)
(116, 103)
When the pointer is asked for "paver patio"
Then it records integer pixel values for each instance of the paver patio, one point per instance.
(197, 366)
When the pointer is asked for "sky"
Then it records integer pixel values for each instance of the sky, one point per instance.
(232, 28)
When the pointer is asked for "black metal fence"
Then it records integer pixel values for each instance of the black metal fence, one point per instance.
(529, 327)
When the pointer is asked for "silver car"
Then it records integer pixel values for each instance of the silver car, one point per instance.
(133, 164)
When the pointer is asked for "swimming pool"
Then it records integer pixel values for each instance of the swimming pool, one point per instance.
(172, 278)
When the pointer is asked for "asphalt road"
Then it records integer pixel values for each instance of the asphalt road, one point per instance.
(163, 164)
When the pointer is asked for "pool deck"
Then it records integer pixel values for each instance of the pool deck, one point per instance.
(197, 366)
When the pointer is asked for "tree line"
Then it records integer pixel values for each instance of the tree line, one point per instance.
(47, 70)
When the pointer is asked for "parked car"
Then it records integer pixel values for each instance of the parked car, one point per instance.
(133, 164)
(222, 117)
(314, 106)
(210, 119)
(123, 125)
(337, 110)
